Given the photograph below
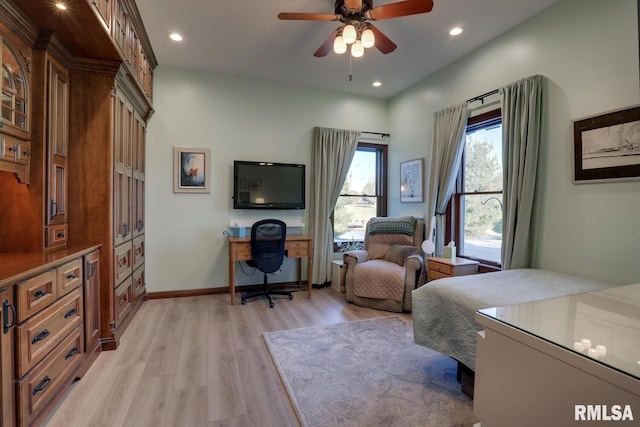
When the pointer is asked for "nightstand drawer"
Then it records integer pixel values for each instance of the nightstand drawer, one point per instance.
(433, 275)
(440, 268)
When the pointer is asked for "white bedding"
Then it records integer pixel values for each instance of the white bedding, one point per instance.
(444, 310)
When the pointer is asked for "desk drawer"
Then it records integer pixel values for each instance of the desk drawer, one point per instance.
(297, 249)
(36, 388)
(442, 268)
(69, 276)
(36, 293)
(36, 337)
(242, 252)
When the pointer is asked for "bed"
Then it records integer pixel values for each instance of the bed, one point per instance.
(444, 310)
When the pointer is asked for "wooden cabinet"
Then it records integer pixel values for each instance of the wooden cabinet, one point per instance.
(57, 138)
(104, 9)
(92, 302)
(43, 340)
(15, 152)
(438, 267)
(7, 399)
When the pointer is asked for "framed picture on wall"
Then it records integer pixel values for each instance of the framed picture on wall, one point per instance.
(411, 181)
(191, 170)
(607, 146)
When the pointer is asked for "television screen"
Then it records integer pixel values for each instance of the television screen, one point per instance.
(265, 185)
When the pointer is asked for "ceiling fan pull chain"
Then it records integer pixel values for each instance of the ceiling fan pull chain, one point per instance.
(350, 75)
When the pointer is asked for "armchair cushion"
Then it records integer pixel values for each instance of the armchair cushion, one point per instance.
(399, 253)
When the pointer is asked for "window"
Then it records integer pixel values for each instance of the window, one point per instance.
(475, 210)
(363, 196)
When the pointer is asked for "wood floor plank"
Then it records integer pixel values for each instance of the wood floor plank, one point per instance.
(199, 361)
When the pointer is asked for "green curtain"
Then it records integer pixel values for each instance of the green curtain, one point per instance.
(521, 132)
(332, 153)
(448, 144)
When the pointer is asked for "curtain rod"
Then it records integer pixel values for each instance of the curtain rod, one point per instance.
(376, 133)
(483, 96)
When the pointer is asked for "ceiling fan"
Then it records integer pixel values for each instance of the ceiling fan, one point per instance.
(357, 31)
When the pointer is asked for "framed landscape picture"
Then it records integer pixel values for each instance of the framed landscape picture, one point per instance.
(411, 181)
(191, 168)
(607, 146)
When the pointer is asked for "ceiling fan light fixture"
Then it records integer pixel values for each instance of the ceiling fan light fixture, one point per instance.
(349, 34)
(339, 46)
(357, 50)
(368, 38)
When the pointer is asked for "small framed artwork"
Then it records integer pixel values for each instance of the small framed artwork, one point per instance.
(191, 170)
(242, 183)
(607, 146)
(411, 181)
(255, 185)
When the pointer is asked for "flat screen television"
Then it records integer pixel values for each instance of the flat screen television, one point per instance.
(266, 185)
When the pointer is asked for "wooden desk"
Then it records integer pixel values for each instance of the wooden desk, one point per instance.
(296, 246)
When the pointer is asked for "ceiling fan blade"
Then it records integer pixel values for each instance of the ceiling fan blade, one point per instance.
(327, 46)
(402, 8)
(294, 16)
(383, 43)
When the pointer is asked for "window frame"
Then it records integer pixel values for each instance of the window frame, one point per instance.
(382, 160)
(454, 226)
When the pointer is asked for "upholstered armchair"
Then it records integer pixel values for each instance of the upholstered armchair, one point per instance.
(383, 275)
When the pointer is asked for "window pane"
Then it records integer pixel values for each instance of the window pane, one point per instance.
(482, 219)
(361, 178)
(483, 160)
(350, 217)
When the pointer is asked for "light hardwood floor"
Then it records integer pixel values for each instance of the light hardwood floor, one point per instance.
(198, 361)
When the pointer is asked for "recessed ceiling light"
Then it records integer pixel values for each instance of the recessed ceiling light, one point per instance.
(376, 84)
(455, 31)
(176, 37)
(61, 5)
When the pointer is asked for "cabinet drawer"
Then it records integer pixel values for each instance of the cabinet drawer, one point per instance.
(69, 276)
(123, 300)
(138, 284)
(123, 262)
(36, 293)
(36, 337)
(138, 251)
(297, 249)
(433, 275)
(36, 388)
(56, 235)
(442, 268)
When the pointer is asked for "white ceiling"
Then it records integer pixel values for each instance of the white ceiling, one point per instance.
(245, 37)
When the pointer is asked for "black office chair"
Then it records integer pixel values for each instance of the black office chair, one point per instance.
(267, 253)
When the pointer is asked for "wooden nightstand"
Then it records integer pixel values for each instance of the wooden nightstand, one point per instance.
(438, 267)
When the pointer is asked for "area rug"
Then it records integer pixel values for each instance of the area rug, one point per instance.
(367, 373)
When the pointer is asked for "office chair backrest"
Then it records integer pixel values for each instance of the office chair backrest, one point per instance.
(267, 244)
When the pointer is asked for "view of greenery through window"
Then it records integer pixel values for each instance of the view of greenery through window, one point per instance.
(357, 202)
(482, 195)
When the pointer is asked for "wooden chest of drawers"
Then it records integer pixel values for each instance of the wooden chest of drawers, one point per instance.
(438, 267)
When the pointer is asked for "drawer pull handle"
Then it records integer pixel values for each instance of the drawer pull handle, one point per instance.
(71, 353)
(60, 235)
(71, 276)
(70, 313)
(39, 293)
(123, 261)
(6, 307)
(43, 384)
(42, 335)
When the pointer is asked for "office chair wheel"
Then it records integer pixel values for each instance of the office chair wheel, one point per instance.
(271, 304)
(243, 301)
(290, 296)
